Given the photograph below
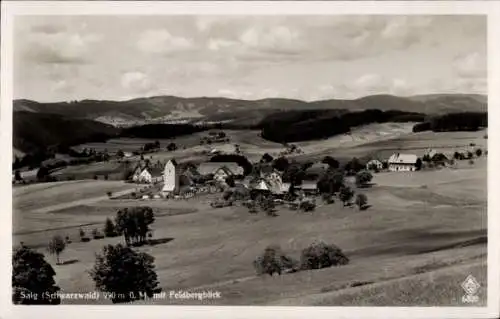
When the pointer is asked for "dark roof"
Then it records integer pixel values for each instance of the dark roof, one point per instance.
(266, 169)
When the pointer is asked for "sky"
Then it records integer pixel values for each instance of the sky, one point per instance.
(61, 58)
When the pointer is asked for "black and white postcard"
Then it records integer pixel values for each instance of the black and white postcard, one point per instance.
(278, 159)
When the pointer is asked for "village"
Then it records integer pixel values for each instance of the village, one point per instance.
(280, 180)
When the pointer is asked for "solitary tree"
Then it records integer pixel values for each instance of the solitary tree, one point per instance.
(361, 201)
(281, 164)
(171, 146)
(42, 173)
(109, 228)
(479, 152)
(354, 165)
(120, 154)
(331, 162)
(273, 260)
(321, 255)
(363, 178)
(17, 176)
(127, 274)
(331, 182)
(56, 247)
(230, 181)
(266, 158)
(32, 276)
(418, 164)
(346, 194)
(134, 223)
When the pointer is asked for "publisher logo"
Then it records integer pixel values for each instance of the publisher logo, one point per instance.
(471, 287)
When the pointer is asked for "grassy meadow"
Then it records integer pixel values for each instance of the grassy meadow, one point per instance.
(424, 229)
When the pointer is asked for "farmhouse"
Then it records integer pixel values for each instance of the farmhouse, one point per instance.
(220, 170)
(374, 164)
(274, 181)
(147, 174)
(171, 178)
(402, 162)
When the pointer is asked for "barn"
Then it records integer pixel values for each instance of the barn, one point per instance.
(402, 162)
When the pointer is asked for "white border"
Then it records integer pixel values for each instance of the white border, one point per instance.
(490, 8)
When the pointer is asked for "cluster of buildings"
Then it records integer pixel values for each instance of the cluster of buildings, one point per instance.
(174, 176)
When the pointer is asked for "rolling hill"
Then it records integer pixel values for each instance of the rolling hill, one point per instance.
(38, 131)
(168, 108)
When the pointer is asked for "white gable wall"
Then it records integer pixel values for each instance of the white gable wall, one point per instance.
(170, 178)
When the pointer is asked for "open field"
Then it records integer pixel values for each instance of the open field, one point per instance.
(32, 203)
(424, 228)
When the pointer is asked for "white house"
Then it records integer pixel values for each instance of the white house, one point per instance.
(374, 164)
(145, 176)
(402, 162)
(171, 178)
(137, 173)
(220, 170)
(275, 182)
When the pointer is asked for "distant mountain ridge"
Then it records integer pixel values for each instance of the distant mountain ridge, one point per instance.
(171, 108)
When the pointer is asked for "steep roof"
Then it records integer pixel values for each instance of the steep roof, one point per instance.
(173, 161)
(155, 171)
(262, 185)
(399, 158)
(211, 167)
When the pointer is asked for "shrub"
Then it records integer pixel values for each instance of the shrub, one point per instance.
(363, 178)
(109, 194)
(361, 201)
(281, 164)
(273, 260)
(252, 207)
(84, 239)
(307, 206)
(81, 233)
(109, 228)
(471, 162)
(321, 255)
(267, 205)
(346, 194)
(470, 155)
(331, 162)
(328, 199)
(266, 158)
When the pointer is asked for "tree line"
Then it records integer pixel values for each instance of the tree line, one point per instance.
(464, 121)
(293, 126)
